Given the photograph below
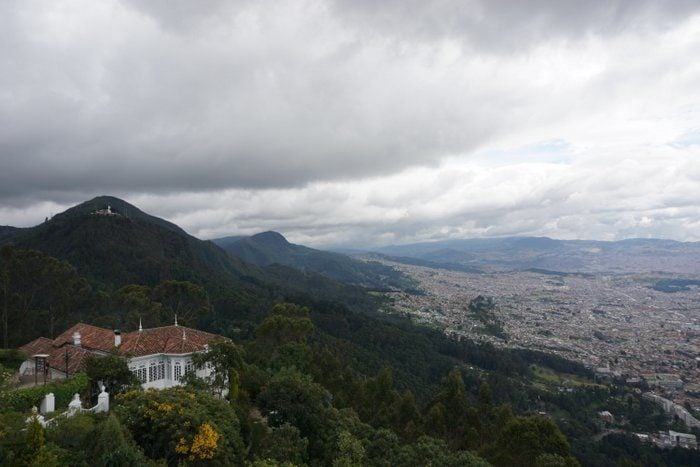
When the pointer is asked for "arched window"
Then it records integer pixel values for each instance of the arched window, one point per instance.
(177, 371)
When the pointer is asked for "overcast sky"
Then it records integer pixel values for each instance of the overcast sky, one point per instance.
(357, 123)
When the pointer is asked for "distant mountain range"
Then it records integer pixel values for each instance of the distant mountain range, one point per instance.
(127, 246)
(268, 248)
(521, 253)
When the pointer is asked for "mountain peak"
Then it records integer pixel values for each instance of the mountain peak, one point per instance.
(270, 238)
(114, 243)
(116, 205)
(102, 204)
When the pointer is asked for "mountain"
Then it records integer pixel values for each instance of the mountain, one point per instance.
(7, 232)
(268, 248)
(585, 256)
(126, 245)
(113, 243)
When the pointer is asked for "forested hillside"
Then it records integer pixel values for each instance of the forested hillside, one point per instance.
(269, 248)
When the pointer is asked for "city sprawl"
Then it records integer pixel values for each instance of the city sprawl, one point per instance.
(617, 324)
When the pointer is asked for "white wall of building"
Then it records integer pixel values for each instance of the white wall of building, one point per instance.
(161, 371)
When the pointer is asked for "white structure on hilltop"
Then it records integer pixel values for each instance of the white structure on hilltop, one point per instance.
(159, 357)
(105, 212)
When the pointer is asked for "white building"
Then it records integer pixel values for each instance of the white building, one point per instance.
(159, 357)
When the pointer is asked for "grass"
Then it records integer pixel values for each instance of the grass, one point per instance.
(547, 379)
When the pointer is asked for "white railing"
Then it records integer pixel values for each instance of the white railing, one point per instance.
(74, 407)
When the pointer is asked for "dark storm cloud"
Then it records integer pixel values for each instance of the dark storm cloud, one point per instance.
(356, 122)
(163, 96)
(157, 99)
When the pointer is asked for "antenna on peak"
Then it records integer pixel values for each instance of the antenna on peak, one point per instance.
(175, 319)
(140, 327)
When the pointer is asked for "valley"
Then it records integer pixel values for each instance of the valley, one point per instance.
(616, 324)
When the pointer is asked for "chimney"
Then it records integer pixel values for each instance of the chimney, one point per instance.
(76, 338)
(117, 338)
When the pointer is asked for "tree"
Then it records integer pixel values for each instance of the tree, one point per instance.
(37, 293)
(112, 370)
(182, 426)
(114, 447)
(6, 254)
(523, 440)
(431, 451)
(350, 451)
(287, 323)
(285, 444)
(406, 417)
(63, 290)
(183, 299)
(447, 416)
(226, 360)
(35, 452)
(134, 304)
(380, 397)
(383, 449)
(281, 339)
(291, 397)
(74, 436)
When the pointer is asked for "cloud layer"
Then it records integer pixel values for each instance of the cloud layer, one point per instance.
(357, 123)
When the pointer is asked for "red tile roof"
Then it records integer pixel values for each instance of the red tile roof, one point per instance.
(37, 346)
(76, 358)
(166, 339)
(57, 355)
(91, 337)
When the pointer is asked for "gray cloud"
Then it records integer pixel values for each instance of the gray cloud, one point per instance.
(507, 26)
(109, 99)
(353, 123)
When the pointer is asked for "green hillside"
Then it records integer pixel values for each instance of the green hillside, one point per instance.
(131, 247)
(268, 248)
(7, 232)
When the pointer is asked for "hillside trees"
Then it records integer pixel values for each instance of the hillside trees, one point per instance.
(38, 292)
(183, 299)
(159, 305)
(530, 442)
(133, 304)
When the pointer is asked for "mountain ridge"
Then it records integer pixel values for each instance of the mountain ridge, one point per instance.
(268, 248)
(586, 256)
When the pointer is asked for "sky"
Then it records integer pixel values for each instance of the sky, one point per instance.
(357, 123)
